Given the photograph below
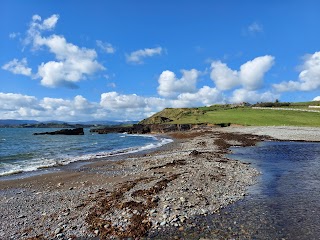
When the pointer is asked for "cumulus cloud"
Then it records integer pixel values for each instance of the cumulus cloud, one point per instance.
(106, 47)
(14, 101)
(309, 77)
(250, 76)
(18, 106)
(170, 86)
(138, 56)
(244, 95)
(72, 64)
(316, 98)
(113, 100)
(204, 96)
(18, 67)
(224, 77)
(78, 107)
(37, 26)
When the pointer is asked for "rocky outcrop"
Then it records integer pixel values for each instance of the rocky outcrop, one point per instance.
(76, 131)
(144, 128)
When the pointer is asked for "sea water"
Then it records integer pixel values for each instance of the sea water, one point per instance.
(21, 151)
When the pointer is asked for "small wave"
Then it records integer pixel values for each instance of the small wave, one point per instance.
(42, 163)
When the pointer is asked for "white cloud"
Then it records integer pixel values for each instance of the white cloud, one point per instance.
(316, 98)
(106, 47)
(14, 101)
(250, 75)
(113, 100)
(204, 96)
(309, 77)
(73, 64)
(18, 106)
(64, 109)
(138, 56)
(170, 86)
(244, 95)
(36, 27)
(224, 77)
(18, 67)
(255, 28)
(252, 72)
(129, 106)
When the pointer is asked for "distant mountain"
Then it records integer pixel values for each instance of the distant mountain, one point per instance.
(58, 124)
(14, 122)
(107, 122)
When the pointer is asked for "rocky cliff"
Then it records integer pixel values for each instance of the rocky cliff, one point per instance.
(144, 128)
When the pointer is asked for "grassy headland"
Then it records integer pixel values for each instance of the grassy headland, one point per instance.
(242, 115)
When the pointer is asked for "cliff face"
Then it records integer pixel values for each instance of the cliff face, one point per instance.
(143, 129)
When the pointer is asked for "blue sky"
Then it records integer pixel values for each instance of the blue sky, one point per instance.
(125, 60)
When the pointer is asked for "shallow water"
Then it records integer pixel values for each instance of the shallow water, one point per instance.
(21, 151)
(284, 204)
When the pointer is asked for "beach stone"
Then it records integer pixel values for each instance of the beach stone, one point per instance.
(96, 232)
(57, 231)
(155, 199)
(163, 223)
(60, 235)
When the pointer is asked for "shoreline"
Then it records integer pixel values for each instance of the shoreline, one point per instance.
(133, 195)
(111, 156)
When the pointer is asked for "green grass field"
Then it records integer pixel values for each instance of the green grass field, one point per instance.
(243, 116)
(254, 117)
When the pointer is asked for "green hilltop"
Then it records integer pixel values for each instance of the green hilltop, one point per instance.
(260, 114)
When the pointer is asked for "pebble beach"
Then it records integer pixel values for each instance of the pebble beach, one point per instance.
(141, 195)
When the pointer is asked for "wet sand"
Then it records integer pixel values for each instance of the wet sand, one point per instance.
(134, 196)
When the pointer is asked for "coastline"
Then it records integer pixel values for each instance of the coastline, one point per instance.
(135, 194)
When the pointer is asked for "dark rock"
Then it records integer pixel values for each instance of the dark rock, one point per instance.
(144, 128)
(76, 131)
(194, 153)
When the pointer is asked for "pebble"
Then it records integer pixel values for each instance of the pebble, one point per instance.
(60, 235)
(163, 223)
(57, 231)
